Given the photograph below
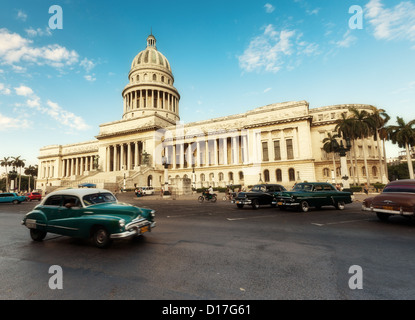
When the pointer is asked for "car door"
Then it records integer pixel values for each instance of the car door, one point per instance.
(68, 213)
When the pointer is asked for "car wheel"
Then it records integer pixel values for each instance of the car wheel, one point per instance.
(37, 235)
(201, 199)
(255, 204)
(101, 238)
(304, 207)
(240, 206)
(15, 202)
(340, 205)
(383, 216)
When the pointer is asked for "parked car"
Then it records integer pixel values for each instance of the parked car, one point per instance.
(260, 194)
(312, 194)
(34, 196)
(12, 197)
(146, 190)
(397, 198)
(88, 213)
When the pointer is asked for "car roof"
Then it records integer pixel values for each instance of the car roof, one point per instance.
(80, 192)
(403, 181)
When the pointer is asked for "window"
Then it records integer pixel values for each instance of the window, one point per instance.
(326, 172)
(290, 152)
(241, 175)
(278, 174)
(265, 151)
(154, 77)
(266, 175)
(374, 171)
(202, 177)
(220, 176)
(72, 201)
(53, 201)
(277, 150)
(291, 174)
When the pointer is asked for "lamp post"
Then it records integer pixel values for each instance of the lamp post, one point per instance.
(343, 162)
(165, 164)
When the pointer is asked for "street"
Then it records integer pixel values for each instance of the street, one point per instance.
(216, 251)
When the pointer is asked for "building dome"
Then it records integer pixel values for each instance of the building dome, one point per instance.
(150, 57)
(150, 89)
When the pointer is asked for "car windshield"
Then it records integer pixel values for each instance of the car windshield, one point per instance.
(399, 188)
(95, 198)
(258, 188)
(302, 187)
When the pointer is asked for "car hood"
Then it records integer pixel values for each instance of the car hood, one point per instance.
(119, 209)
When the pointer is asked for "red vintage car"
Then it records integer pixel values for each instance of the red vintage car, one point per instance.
(33, 196)
(398, 198)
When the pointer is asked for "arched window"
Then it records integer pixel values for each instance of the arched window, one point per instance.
(211, 176)
(230, 176)
(291, 174)
(154, 77)
(162, 79)
(266, 175)
(374, 171)
(241, 175)
(138, 78)
(220, 176)
(278, 174)
(202, 177)
(364, 171)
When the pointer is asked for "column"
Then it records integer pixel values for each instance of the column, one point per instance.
(136, 154)
(215, 152)
(114, 165)
(129, 156)
(225, 150)
(121, 156)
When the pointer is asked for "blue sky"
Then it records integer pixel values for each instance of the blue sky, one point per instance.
(58, 85)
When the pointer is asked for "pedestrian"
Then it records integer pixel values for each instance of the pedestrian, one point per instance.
(366, 189)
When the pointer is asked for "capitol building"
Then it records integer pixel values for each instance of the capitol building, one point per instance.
(277, 143)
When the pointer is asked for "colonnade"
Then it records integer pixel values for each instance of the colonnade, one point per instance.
(77, 165)
(123, 156)
(150, 98)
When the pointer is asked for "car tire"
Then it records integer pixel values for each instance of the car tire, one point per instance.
(239, 205)
(383, 216)
(340, 205)
(255, 204)
(101, 237)
(37, 235)
(15, 202)
(304, 206)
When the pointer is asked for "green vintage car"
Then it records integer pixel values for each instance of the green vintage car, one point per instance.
(312, 194)
(88, 213)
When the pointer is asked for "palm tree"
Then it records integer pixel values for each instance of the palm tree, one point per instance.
(403, 134)
(331, 145)
(345, 129)
(379, 119)
(363, 125)
(5, 163)
(31, 171)
(19, 163)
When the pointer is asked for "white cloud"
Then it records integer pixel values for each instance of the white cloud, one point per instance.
(391, 23)
(87, 64)
(269, 8)
(21, 15)
(38, 32)
(65, 117)
(347, 41)
(9, 123)
(23, 91)
(90, 78)
(4, 90)
(270, 50)
(14, 49)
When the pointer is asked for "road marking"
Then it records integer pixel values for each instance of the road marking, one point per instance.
(338, 222)
(235, 219)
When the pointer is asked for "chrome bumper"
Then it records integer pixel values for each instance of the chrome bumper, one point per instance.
(133, 232)
(243, 201)
(399, 213)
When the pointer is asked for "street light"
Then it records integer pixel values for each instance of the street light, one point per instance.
(341, 150)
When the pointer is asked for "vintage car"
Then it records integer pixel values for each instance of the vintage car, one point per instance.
(260, 194)
(312, 194)
(12, 197)
(397, 198)
(88, 213)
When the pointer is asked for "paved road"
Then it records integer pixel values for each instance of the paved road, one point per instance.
(216, 251)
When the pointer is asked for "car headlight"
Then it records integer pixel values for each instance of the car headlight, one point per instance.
(122, 223)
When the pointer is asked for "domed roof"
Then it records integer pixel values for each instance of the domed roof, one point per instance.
(150, 57)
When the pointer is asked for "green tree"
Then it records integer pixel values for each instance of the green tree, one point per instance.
(19, 163)
(5, 163)
(403, 134)
(331, 145)
(31, 171)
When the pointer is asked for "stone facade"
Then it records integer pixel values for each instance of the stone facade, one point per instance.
(277, 143)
